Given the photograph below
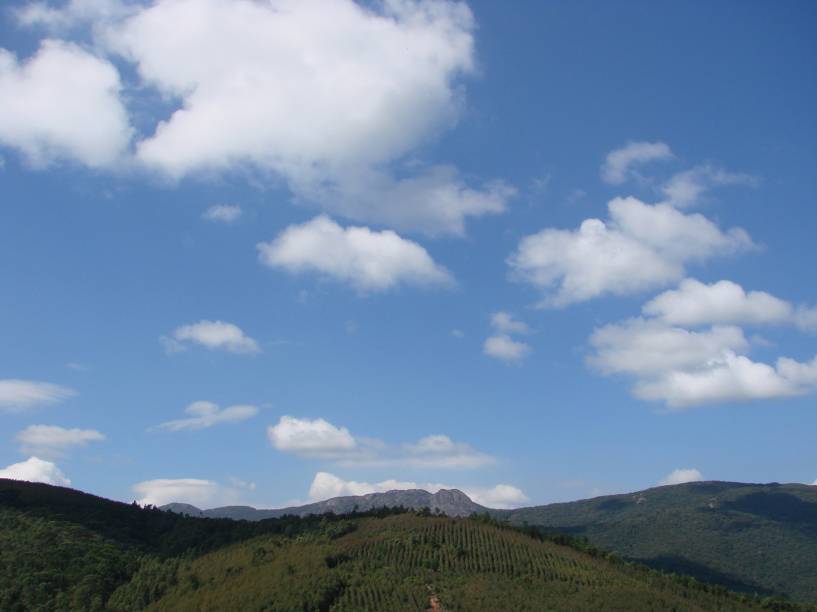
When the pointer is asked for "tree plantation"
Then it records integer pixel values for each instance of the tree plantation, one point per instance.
(65, 550)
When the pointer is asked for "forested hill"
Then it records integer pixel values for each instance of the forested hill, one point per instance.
(756, 538)
(751, 537)
(64, 550)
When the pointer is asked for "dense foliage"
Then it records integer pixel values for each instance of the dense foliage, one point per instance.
(61, 549)
(64, 550)
(399, 562)
(752, 538)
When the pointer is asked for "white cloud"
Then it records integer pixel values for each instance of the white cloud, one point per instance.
(34, 469)
(214, 335)
(680, 476)
(206, 414)
(72, 13)
(695, 303)
(330, 95)
(640, 247)
(222, 212)
(320, 439)
(687, 368)
(686, 188)
(435, 200)
(729, 377)
(499, 496)
(321, 82)
(618, 165)
(806, 318)
(326, 486)
(53, 441)
(19, 395)
(311, 438)
(442, 452)
(65, 106)
(646, 347)
(803, 374)
(198, 492)
(368, 260)
(505, 323)
(237, 483)
(502, 346)
(201, 493)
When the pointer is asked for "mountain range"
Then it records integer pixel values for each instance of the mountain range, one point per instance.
(756, 538)
(62, 549)
(451, 502)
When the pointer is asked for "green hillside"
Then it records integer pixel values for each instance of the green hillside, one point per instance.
(64, 550)
(399, 562)
(754, 538)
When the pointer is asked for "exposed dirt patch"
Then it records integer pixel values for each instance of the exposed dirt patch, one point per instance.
(433, 601)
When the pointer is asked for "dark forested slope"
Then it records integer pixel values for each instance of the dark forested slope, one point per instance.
(756, 538)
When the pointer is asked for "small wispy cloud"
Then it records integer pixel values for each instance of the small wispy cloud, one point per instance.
(207, 414)
(54, 441)
(681, 476)
(501, 345)
(223, 213)
(20, 395)
(213, 335)
(619, 163)
(686, 189)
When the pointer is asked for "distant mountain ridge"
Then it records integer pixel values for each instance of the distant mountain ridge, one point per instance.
(451, 502)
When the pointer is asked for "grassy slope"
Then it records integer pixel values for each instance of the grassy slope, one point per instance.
(757, 538)
(397, 562)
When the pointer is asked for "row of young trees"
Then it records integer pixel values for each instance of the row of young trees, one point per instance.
(63, 550)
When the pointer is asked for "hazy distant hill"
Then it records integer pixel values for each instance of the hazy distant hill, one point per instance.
(61, 549)
(187, 509)
(747, 536)
(450, 502)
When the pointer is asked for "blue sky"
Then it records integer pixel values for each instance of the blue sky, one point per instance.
(282, 251)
